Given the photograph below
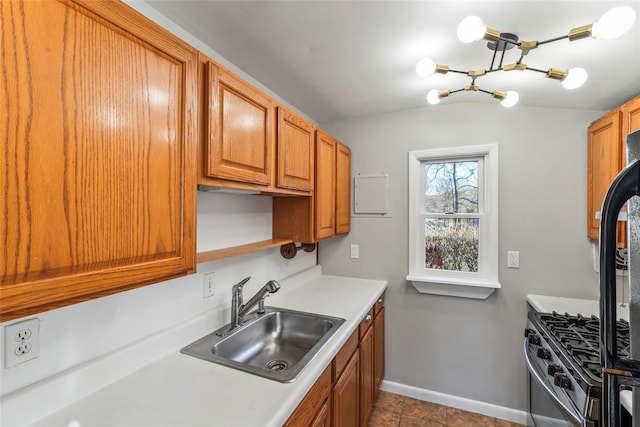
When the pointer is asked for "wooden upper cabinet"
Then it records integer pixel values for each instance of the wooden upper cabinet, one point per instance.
(631, 116)
(604, 161)
(99, 136)
(296, 146)
(325, 194)
(606, 156)
(343, 189)
(239, 136)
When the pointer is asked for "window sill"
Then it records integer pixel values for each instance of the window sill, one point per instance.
(455, 287)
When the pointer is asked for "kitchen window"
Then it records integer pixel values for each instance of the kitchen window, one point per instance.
(453, 221)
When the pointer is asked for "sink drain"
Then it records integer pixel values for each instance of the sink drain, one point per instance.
(277, 365)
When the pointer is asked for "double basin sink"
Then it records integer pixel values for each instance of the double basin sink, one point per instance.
(276, 345)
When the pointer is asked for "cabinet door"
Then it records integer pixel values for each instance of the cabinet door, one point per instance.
(366, 376)
(323, 418)
(343, 189)
(239, 130)
(99, 136)
(378, 353)
(346, 394)
(314, 408)
(296, 146)
(604, 161)
(630, 117)
(325, 185)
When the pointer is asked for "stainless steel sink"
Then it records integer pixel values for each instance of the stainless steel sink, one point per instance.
(275, 345)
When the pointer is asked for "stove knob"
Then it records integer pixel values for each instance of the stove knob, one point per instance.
(553, 369)
(561, 380)
(534, 339)
(527, 331)
(543, 353)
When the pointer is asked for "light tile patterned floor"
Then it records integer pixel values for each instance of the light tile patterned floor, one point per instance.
(393, 410)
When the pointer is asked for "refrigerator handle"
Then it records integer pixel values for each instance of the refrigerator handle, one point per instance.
(625, 186)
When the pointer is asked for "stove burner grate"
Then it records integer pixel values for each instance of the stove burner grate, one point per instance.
(580, 337)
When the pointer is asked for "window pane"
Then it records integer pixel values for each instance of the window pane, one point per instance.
(451, 244)
(451, 187)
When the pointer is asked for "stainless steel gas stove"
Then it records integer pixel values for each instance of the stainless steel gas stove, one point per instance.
(563, 357)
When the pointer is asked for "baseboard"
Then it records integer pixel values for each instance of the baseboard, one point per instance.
(463, 403)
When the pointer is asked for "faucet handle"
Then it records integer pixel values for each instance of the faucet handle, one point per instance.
(238, 286)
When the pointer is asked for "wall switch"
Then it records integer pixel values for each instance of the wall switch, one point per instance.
(21, 342)
(355, 251)
(513, 259)
(209, 288)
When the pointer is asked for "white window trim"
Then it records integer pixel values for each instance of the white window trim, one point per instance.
(461, 284)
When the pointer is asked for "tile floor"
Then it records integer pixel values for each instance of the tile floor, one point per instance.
(393, 410)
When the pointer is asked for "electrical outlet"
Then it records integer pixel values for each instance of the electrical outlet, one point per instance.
(209, 288)
(513, 259)
(355, 251)
(21, 342)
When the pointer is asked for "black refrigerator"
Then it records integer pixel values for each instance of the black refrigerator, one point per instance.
(620, 373)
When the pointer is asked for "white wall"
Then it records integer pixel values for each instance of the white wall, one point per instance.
(463, 347)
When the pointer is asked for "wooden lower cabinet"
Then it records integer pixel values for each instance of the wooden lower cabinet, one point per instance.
(344, 394)
(367, 386)
(378, 348)
(314, 409)
(323, 417)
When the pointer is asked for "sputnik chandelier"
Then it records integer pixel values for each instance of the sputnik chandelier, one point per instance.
(612, 24)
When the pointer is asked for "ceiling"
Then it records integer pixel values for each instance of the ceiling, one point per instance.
(340, 59)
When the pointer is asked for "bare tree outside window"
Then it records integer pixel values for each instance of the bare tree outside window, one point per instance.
(451, 228)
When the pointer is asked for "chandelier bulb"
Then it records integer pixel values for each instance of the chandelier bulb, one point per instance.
(433, 96)
(425, 67)
(511, 99)
(614, 23)
(575, 78)
(471, 29)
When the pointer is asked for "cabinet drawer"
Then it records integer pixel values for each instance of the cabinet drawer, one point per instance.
(344, 355)
(366, 323)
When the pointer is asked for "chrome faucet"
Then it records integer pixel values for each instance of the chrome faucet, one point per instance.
(239, 309)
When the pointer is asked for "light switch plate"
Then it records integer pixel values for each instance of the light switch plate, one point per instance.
(208, 286)
(355, 251)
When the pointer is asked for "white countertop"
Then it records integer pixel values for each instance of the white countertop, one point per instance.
(180, 390)
(548, 304)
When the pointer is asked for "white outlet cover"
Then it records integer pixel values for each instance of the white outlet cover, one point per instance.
(21, 342)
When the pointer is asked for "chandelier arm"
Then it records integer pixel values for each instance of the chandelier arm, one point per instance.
(485, 91)
(537, 69)
(555, 39)
(501, 59)
(458, 71)
(458, 90)
(495, 51)
(494, 70)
